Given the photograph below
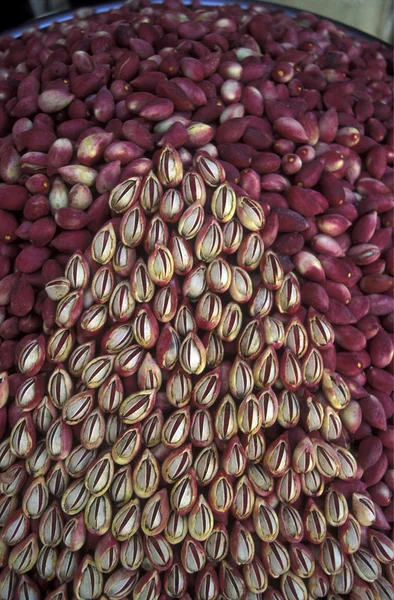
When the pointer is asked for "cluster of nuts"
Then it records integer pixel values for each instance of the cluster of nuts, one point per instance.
(196, 311)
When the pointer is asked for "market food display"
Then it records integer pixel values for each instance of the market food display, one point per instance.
(196, 307)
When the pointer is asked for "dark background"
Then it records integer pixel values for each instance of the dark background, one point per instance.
(17, 12)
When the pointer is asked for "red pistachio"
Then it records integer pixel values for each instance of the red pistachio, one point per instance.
(291, 129)
(306, 202)
(8, 227)
(308, 265)
(54, 100)
(381, 349)
(380, 379)
(92, 147)
(36, 206)
(73, 174)
(42, 231)
(369, 451)
(373, 412)
(13, 197)
(22, 298)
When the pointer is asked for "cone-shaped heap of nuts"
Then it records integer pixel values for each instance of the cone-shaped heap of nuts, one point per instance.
(187, 441)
